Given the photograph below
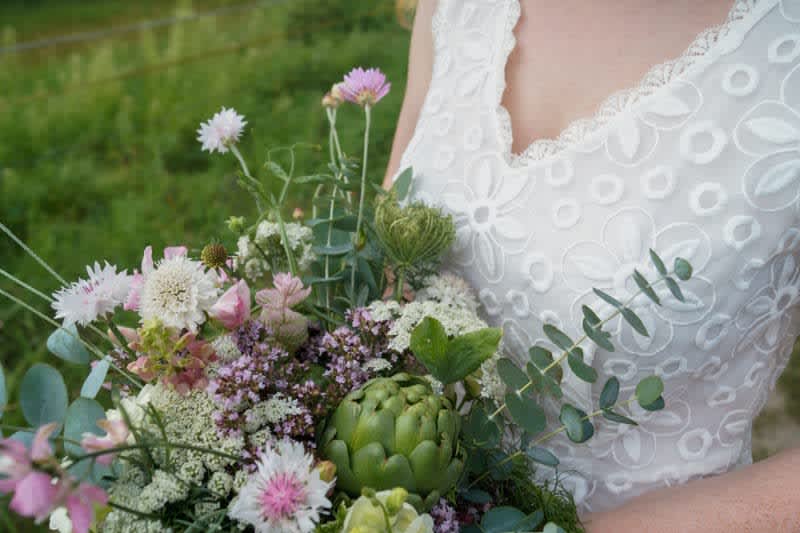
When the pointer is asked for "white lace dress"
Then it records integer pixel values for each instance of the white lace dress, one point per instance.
(702, 160)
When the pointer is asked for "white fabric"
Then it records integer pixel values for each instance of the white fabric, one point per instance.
(701, 161)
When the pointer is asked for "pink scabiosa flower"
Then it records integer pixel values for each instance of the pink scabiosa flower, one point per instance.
(285, 493)
(116, 435)
(364, 87)
(221, 131)
(233, 307)
(86, 300)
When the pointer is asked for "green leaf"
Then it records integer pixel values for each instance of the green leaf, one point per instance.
(43, 395)
(618, 418)
(645, 287)
(403, 183)
(590, 316)
(541, 357)
(509, 520)
(683, 270)
(649, 390)
(478, 496)
(608, 298)
(314, 280)
(3, 392)
(578, 429)
(483, 432)
(581, 369)
(525, 412)
(339, 249)
(598, 336)
(82, 416)
(511, 374)
(429, 343)
(346, 223)
(672, 285)
(552, 527)
(558, 337)
(94, 381)
(466, 353)
(658, 263)
(633, 319)
(64, 343)
(277, 170)
(610, 393)
(545, 384)
(657, 405)
(542, 456)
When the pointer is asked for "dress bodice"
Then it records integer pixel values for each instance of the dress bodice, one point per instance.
(702, 161)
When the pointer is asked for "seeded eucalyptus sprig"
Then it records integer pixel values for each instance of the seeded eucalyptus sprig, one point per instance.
(543, 375)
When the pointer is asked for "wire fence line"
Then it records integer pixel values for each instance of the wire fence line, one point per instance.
(153, 68)
(93, 35)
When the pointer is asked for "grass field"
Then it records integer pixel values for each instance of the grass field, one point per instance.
(98, 155)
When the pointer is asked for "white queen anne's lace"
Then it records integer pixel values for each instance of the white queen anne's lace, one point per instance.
(699, 161)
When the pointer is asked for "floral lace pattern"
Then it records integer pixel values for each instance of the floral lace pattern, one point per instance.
(700, 161)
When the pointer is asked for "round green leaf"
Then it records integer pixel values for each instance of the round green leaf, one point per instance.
(657, 405)
(552, 527)
(542, 456)
(43, 395)
(683, 270)
(610, 393)
(581, 369)
(649, 390)
(511, 374)
(526, 413)
(477, 496)
(505, 519)
(82, 417)
(578, 429)
(64, 343)
(94, 381)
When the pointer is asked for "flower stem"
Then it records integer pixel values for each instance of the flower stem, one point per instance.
(30, 252)
(363, 190)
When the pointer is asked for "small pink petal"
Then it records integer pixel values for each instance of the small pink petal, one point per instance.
(147, 261)
(171, 252)
(233, 307)
(80, 514)
(133, 299)
(34, 496)
(40, 449)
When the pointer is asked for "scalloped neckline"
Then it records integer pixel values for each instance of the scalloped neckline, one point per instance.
(659, 77)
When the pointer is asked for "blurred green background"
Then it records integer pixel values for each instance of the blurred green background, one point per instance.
(98, 156)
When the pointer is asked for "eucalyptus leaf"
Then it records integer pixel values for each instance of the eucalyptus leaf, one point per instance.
(337, 249)
(610, 393)
(649, 390)
(558, 337)
(598, 336)
(484, 432)
(478, 496)
(683, 270)
(510, 373)
(403, 183)
(672, 285)
(94, 381)
(581, 369)
(645, 287)
(541, 357)
(618, 418)
(506, 519)
(657, 405)
(545, 384)
(658, 263)
(525, 412)
(542, 456)
(633, 319)
(552, 527)
(590, 316)
(608, 298)
(43, 395)
(64, 343)
(82, 417)
(578, 428)
(314, 280)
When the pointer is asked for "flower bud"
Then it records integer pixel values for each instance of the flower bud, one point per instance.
(368, 492)
(327, 471)
(235, 224)
(214, 256)
(298, 213)
(396, 500)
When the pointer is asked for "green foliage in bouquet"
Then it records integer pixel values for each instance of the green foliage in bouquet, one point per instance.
(395, 432)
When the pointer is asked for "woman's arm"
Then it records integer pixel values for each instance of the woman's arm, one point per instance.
(420, 65)
(762, 497)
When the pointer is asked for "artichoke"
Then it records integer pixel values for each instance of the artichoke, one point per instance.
(395, 432)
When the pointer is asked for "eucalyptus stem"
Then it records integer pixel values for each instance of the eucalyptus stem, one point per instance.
(363, 191)
(576, 344)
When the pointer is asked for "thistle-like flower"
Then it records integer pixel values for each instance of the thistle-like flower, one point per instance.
(221, 131)
(86, 300)
(364, 87)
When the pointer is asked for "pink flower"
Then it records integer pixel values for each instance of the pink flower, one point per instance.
(233, 307)
(288, 292)
(80, 505)
(34, 491)
(34, 496)
(116, 435)
(364, 87)
(133, 300)
(142, 368)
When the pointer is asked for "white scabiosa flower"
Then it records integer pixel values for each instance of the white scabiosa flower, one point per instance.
(221, 131)
(178, 293)
(285, 494)
(86, 300)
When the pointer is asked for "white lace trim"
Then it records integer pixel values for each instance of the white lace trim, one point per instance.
(658, 77)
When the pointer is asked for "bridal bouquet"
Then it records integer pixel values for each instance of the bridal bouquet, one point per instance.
(325, 375)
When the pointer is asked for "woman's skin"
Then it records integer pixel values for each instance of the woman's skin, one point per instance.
(569, 57)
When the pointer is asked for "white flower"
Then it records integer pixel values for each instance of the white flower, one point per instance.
(223, 130)
(376, 365)
(273, 411)
(448, 289)
(178, 292)
(86, 300)
(226, 348)
(59, 521)
(285, 494)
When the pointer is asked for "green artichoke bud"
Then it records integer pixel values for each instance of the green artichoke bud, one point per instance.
(368, 516)
(395, 432)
